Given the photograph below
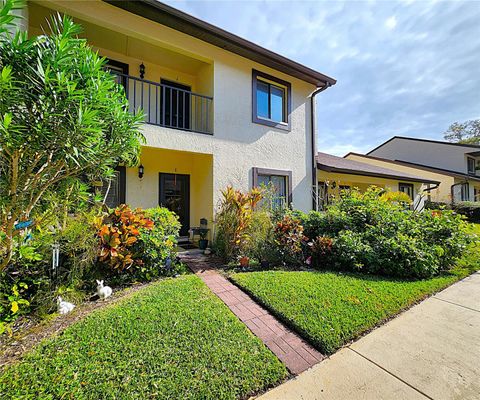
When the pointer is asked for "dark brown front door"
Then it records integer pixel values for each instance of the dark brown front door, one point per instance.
(175, 195)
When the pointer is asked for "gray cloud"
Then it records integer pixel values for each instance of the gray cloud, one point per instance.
(403, 68)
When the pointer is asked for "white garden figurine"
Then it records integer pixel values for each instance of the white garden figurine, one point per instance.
(103, 291)
(64, 307)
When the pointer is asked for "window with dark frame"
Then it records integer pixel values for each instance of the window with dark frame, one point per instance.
(120, 70)
(271, 100)
(322, 195)
(281, 181)
(465, 192)
(471, 166)
(116, 186)
(406, 188)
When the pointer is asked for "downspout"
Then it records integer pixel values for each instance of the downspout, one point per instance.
(314, 143)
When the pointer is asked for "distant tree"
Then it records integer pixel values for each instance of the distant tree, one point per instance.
(62, 117)
(466, 132)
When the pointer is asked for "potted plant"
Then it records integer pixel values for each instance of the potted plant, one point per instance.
(203, 241)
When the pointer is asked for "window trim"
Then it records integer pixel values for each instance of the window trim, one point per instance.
(276, 172)
(122, 185)
(410, 185)
(124, 67)
(286, 126)
(465, 189)
(474, 172)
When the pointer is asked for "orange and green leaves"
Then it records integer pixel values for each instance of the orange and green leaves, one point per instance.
(118, 232)
(235, 216)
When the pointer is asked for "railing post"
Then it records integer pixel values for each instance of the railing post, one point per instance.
(193, 109)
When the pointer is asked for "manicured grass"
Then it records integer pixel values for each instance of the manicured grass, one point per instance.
(331, 308)
(172, 340)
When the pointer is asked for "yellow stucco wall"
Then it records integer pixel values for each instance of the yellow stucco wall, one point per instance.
(360, 182)
(442, 194)
(145, 192)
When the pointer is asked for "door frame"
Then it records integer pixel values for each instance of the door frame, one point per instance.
(187, 111)
(161, 184)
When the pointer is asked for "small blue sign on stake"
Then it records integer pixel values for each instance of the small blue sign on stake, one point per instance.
(23, 224)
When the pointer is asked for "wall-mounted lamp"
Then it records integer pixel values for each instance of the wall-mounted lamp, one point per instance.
(141, 171)
(142, 70)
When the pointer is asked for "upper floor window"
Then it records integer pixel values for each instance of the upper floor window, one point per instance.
(271, 100)
(471, 166)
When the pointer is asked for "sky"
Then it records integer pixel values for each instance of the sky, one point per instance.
(407, 68)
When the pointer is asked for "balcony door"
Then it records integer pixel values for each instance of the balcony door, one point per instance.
(120, 70)
(175, 104)
(175, 195)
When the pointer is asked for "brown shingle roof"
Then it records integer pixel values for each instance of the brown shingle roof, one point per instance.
(327, 162)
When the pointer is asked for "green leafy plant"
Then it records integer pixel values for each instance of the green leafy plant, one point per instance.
(12, 304)
(157, 246)
(233, 221)
(289, 239)
(118, 233)
(65, 118)
(260, 233)
(377, 234)
(321, 250)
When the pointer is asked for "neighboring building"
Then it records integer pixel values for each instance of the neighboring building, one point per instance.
(220, 110)
(336, 174)
(457, 163)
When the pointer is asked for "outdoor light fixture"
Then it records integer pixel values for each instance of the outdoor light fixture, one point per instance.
(141, 171)
(142, 70)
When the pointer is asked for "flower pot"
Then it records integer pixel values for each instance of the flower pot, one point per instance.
(244, 261)
(203, 244)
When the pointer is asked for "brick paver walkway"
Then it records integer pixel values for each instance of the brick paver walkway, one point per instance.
(294, 352)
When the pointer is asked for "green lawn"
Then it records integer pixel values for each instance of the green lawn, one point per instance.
(331, 308)
(174, 339)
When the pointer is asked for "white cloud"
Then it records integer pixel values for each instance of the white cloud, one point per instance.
(414, 82)
(391, 22)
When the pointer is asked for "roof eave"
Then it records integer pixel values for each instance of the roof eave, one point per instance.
(180, 21)
(328, 168)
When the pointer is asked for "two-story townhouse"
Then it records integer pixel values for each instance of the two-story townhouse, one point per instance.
(454, 164)
(220, 110)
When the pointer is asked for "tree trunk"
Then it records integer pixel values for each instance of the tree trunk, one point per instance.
(7, 252)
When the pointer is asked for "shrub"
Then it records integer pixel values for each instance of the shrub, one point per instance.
(138, 243)
(118, 232)
(321, 250)
(373, 234)
(260, 232)
(233, 221)
(157, 246)
(289, 238)
(469, 209)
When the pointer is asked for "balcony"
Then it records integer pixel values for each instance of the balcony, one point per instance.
(168, 106)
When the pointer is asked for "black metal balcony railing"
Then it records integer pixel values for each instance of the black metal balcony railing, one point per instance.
(168, 106)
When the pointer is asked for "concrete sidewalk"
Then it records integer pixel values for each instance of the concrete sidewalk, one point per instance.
(431, 351)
